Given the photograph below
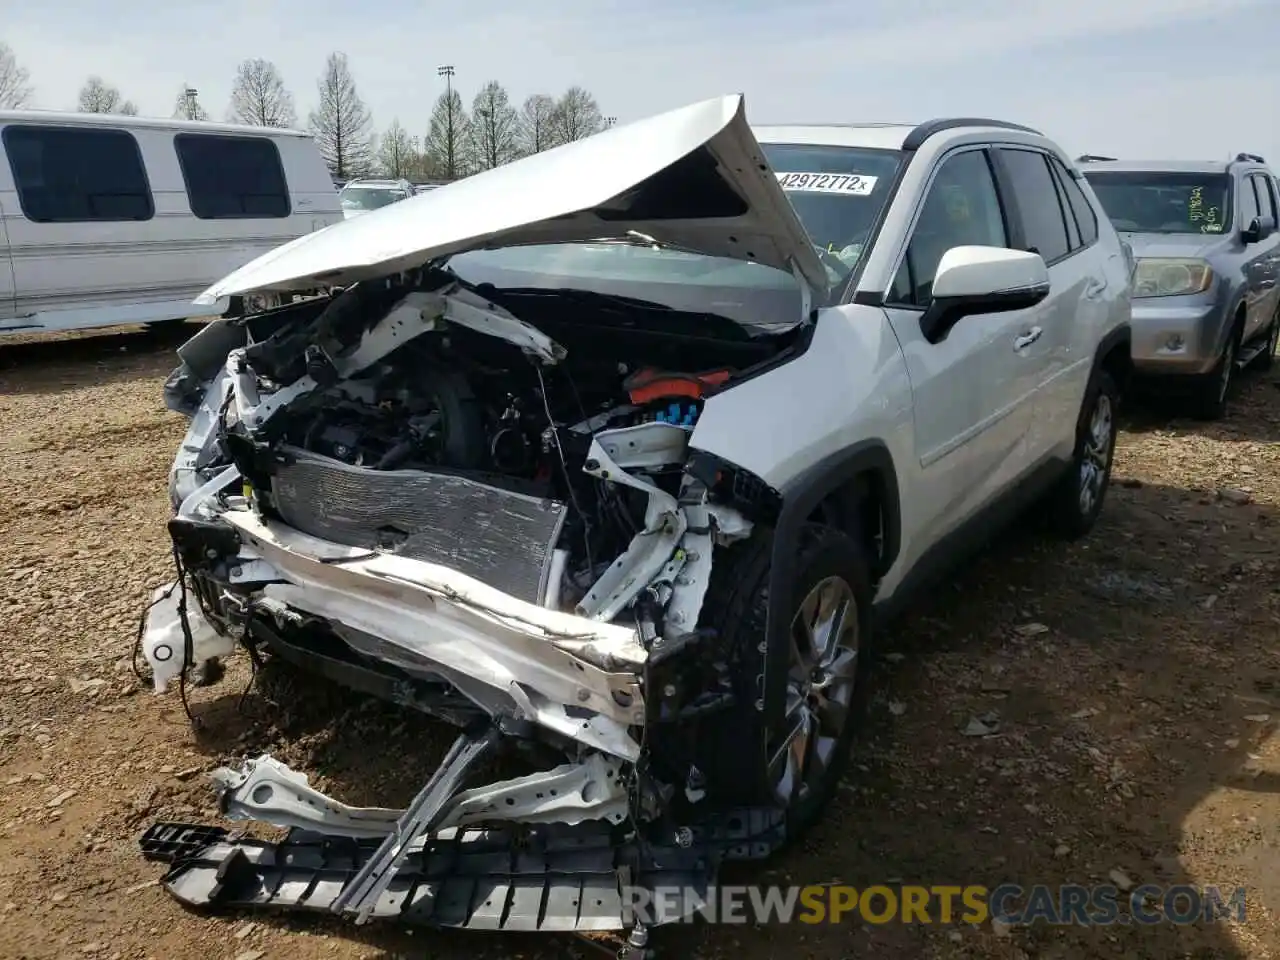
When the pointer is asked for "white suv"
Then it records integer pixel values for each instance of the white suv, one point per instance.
(617, 449)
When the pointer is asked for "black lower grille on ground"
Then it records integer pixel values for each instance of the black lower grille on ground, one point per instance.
(498, 536)
(544, 878)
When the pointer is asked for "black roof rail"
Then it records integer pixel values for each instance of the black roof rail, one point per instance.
(1248, 158)
(1092, 158)
(916, 138)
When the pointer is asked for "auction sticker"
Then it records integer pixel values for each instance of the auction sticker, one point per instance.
(850, 184)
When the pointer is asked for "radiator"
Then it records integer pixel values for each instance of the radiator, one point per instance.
(500, 537)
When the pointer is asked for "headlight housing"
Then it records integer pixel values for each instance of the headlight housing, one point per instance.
(1170, 277)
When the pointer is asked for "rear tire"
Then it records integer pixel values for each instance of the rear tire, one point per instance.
(1076, 502)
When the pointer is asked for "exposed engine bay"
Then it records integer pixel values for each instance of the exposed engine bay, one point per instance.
(461, 405)
(441, 427)
(411, 457)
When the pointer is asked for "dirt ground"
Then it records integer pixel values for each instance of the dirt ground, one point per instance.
(1132, 682)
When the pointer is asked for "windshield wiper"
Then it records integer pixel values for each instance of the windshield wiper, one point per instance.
(634, 238)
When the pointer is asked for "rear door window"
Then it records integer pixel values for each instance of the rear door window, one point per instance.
(231, 177)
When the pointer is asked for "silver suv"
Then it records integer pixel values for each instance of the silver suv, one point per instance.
(1206, 301)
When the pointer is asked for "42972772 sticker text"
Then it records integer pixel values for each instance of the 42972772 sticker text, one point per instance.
(849, 184)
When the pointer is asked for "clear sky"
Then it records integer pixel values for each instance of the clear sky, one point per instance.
(1193, 79)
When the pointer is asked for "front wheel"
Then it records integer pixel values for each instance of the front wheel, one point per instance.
(798, 765)
(1077, 500)
(1267, 359)
(1215, 386)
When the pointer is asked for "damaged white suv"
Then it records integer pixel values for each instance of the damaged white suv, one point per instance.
(618, 449)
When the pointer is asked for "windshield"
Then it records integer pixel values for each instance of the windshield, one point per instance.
(1164, 202)
(837, 192)
(369, 198)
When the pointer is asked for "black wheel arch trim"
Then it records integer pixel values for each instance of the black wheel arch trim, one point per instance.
(1121, 335)
(800, 498)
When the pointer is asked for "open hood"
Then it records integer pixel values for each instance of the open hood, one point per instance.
(693, 177)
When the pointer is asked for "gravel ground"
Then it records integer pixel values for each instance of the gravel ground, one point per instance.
(1132, 683)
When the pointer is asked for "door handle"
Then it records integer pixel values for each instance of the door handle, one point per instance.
(1027, 339)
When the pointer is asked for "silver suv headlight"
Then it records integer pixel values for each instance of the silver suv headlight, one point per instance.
(1171, 277)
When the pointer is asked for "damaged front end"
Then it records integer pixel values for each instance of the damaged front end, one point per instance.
(480, 500)
(413, 492)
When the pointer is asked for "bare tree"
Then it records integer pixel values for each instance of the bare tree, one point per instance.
(576, 115)
(259, 97)
(536, 132)
(15, 81)
(446, 143)
(187, 105)
(494, 126)
(397, 151)
(98, 96)
(341, 123)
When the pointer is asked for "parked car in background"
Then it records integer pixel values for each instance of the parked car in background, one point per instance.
(622, 449)
(424, 187)
(109, 220)
(362, 195)
(1206, 299)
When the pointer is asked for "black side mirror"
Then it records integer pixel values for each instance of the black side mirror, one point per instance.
(1259, 228)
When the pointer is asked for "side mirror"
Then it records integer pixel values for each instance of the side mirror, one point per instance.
(1259, 228)
(974, 280)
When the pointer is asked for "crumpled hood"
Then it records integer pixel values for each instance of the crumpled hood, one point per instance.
(1172, 244)
(694, 177)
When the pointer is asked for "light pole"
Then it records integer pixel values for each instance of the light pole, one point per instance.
(447, 72)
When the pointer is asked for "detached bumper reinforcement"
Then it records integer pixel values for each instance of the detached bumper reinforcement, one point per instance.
(549, 879)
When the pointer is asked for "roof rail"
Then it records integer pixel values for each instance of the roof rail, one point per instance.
(1248, 158)
(1092, 158)
(916, 138)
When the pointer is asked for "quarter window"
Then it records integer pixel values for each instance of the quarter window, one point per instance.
(961, 209)
(232, 177)
(1079, 205)
(78, 175)
(1250, 209)
(1073, 231)
(1043, 221)
(1266, 199)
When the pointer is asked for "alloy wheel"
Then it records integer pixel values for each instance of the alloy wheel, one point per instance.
(821, 680)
